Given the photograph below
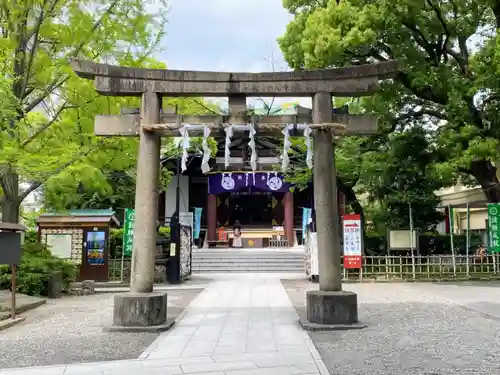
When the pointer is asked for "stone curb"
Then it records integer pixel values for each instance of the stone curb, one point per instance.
(7, 323)
(22, 309)
(145, 329)
(313, 327)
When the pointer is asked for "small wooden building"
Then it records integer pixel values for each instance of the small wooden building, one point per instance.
(81, 236)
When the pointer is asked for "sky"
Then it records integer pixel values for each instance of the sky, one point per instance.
(226, 35)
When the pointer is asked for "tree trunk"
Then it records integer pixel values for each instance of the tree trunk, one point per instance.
(486, 175)
(495, 7)
(11, 203)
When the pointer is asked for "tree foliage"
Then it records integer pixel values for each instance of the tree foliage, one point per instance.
(46, 131)
(399, 174)
(450, 80)
(114, 183)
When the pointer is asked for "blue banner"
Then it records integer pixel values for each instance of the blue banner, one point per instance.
(306, 215)
(197, 222)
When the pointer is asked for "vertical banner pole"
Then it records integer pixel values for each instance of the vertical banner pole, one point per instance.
(452, 228)
(411, 242)
(122, 266)
(14, 288)
(467, 239)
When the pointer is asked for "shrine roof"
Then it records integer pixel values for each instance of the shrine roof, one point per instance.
(80, 216)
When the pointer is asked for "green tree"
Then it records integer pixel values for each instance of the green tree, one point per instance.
(450, 80)
(113, 184)
(400, 173)
(47, 135)
(380, 176)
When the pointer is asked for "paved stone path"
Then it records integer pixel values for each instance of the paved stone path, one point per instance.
(241, 324)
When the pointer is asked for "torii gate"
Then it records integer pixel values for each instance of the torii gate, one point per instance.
(144, 310)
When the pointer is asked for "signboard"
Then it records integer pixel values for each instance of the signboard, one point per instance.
(60, 245)
(352, 241)
(96, 245)
(402, 239)
(494, 227)
(10, 248)
(128, 231)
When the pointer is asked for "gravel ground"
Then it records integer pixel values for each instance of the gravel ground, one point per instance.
(432, 329)
(69, 330)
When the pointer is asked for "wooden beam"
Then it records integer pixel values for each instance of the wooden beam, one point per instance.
(89, 70)
(354, 87)
(263, 160)
(128, 125)
(124, 81)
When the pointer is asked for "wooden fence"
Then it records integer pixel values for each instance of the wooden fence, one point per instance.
(380, 268)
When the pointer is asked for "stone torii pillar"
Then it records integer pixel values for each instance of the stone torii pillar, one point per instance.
(330, 306)
(144, 310)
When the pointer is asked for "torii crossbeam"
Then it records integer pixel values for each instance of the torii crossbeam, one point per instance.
(151, 124)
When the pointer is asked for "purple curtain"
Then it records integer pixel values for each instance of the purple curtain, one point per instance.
(233, 182)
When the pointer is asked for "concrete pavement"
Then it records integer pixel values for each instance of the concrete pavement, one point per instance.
(240, 324)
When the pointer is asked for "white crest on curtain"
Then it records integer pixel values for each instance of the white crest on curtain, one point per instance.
(205, 167)
(227, 151)
(185, 146)
(309, 155)
(285, 159)
(253, 157)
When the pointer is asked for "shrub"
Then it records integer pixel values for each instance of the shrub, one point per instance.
(35, 270)
(31, 236)
(428, 244)
(115, 243)
(116, 240)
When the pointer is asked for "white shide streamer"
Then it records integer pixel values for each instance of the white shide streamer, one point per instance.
(285, 159)
(227, 151)
(205, 167)
(253, 156)
(185, 146)
(309, 155)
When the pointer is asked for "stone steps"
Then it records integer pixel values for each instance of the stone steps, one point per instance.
(236, 260)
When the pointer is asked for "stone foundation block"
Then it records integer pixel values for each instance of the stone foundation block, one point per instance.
(140, 311)
(332, 308)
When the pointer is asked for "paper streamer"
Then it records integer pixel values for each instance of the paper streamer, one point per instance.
(205, 167)
(185, 146)
(285, 159)
(309, 155)
(227, 151)
(253, 157)
(246, 178)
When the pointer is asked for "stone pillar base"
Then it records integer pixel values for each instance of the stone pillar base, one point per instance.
(331, 311)
(140, 312)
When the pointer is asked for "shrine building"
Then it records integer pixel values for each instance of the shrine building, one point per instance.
(265, 205)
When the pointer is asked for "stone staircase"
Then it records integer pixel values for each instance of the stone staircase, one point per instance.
(266, 260)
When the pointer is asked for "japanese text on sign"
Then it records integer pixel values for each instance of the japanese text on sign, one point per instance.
(352, 241)
(494, 226)
(128, 231)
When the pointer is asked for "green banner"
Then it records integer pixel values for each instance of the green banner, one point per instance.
(128, 231)
(494, 227)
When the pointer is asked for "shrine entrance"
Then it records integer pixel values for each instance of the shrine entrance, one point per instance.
(257, 200)
(251, 208)
(321, 124)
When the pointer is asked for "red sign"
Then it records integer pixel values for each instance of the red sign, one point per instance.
(353, 261)
(352, 241)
